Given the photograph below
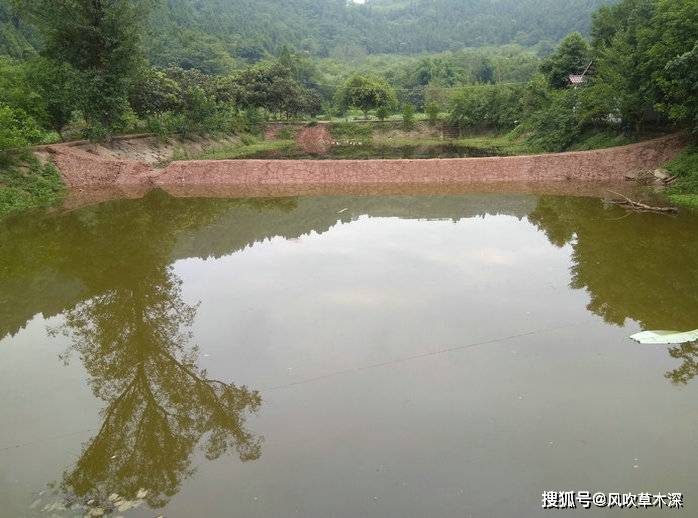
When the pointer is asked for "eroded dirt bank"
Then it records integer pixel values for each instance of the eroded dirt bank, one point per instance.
(83, 169)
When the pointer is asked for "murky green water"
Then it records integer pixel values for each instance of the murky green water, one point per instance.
(345, 357)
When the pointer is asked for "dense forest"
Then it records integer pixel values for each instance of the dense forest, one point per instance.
(183, 32)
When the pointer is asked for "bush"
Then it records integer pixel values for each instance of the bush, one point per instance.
(685, 166)
(382, 112)
(17, 128)
(28, 183)
(167, 123)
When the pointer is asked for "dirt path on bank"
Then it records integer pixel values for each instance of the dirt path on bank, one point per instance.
(315, 139)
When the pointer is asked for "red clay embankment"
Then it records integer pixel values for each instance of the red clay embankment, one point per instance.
(82, 169)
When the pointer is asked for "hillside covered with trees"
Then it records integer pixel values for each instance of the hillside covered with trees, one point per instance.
(191, 32)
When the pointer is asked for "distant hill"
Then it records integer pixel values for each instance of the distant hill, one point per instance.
(185, 31)
(16, 39)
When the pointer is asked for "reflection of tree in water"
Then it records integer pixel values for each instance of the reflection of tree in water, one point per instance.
(688, 353)
(133, 337)
(134, 346)
(638, 266)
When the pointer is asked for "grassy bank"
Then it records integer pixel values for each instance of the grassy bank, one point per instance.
(359, 150)
(685, 189)
(246, 148)
(26, 183)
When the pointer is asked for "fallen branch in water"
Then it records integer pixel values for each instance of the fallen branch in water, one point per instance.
(641, 207)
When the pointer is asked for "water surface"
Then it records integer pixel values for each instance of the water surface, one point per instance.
(402, 356)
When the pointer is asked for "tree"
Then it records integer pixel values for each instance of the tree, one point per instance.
(672, 51)
(485, 74)
(102, 40)
(270, 86)
(433, 110)
(153, 91)
(367, 93)
(59, 86)
(679, 83)
(486, 107)
(571, 57)
(557, 126)
(408, 117)
(623, 76)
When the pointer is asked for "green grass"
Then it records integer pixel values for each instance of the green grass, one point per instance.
(506, 144)
(287, 134)
(347, 131)
(685, 200)
(600, 140)
(685, 189)
(243, 150)
(27, 183)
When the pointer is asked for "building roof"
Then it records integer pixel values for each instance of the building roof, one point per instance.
(579, 79)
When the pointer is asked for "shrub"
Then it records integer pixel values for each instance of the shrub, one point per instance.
(27, 183)
(17, 129)
(685, 166)
(382, 113)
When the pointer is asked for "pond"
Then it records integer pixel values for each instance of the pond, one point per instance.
(367, 356)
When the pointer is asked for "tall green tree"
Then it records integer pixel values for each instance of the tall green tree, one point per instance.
(102, 40)
(58, 84)
(672, 52)
(571, 57)
(367, 93)
(625, 73)
(271, 85)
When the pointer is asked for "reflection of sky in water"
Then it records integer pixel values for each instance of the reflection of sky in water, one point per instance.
(437, 366)
(376, 287)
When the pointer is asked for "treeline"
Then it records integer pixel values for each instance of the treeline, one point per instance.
(641, 68)
(93, 77)
(210, 35)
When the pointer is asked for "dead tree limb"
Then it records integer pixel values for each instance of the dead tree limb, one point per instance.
(641, 207)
